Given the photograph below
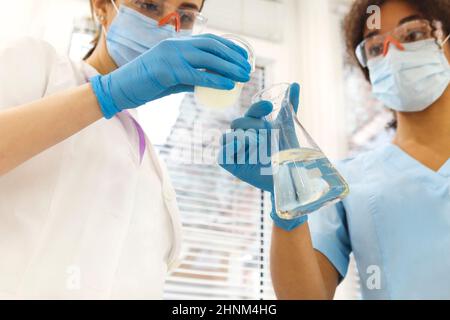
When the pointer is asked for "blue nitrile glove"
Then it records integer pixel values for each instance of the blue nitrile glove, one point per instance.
(253, 133)
(251, 138)
(172, 66)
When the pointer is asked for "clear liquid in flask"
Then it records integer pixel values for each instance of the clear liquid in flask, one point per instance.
(305, 181)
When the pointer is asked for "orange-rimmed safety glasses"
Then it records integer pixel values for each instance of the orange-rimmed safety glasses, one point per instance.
(413, 31)
(164, 12)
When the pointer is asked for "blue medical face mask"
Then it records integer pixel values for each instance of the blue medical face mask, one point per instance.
(410, 80)
(132, 33)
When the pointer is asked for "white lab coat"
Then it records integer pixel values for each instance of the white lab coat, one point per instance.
(84, 219)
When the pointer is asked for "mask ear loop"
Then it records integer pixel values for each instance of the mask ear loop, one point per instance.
(169, 17)
(117, 11)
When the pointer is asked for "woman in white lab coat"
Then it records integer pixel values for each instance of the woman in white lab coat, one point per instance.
(86, 209)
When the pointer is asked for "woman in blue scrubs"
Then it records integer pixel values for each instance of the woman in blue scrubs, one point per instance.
(396, 219)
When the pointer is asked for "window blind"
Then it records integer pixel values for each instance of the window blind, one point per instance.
(225, 230)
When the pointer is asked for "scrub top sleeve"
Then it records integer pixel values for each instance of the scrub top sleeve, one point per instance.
(330, 236)
(25, 66)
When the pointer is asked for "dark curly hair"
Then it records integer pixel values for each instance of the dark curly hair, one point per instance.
(355, 21)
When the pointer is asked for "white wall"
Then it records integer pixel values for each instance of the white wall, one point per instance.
(51, 20)
(309, 52)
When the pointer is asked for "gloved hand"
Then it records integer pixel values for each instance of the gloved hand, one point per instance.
(172, 66)
(249, 140)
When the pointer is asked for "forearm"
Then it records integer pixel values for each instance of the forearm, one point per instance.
(29, 129)
(296, 270)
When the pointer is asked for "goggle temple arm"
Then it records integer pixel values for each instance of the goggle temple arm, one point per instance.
(445, 41)
(361, 56)
(115, 5)
(166, 20)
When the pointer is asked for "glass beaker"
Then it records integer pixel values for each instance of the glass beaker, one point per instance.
(222, 99)
(304, 178)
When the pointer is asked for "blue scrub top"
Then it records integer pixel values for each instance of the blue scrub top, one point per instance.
(396, 221)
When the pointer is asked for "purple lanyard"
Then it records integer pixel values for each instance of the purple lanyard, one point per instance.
(140, 132)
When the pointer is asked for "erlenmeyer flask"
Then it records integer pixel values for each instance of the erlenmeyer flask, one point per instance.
(304, 178)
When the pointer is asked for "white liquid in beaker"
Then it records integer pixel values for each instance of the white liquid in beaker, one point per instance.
(218, 99)
(305, 181)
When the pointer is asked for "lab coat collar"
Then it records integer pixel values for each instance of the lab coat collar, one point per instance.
(88, 70)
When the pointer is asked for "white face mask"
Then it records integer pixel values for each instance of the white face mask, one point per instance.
(413, 79)
(131, 34)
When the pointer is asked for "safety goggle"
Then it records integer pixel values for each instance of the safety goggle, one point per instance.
(165, 13)
(413, 31)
